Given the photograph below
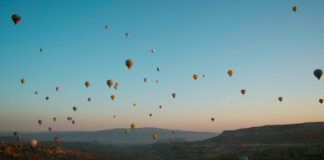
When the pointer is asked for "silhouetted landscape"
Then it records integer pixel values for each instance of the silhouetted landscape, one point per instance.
(272, 142)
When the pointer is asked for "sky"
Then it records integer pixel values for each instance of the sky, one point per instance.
(272, 50)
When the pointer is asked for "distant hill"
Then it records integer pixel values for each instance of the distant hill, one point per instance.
(117, 136)
(273, 134)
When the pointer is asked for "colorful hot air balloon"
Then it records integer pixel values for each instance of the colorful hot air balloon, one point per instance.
(150, 114)
(75, 108)
(157, 81)
(56, 139)
(133, 125)
(321, 100)
(318, 73)
(87, 84)
(33, 143)
(134, 104)
(126, 131)
(36, 92)
(106, 26)
(153, 50)
(166, 142)
(145, 80)
(57, 88)
(40, 122)
(41, 50)
(213, 119)
(47, 98)
(116, 85)
(89, 99)
(69, 118)
(23, 81)
(49, 129)
(295, 8)
(243, 91)
(15, 18)
(110, 83)
(160, 106)
(54, 119)
(127, 35)
(129, 63)
(174, 95)
(280, 99)
(73, 122)
(154, 136)
(112, 97)
(230, 72)
(195, 76)
(158, 69)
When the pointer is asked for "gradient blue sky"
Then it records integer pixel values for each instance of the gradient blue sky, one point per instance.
(272, 50)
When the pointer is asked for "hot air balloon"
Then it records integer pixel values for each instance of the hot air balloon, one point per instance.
(49, 129)
(133, 125)
(318, 73)
(230, 72)
(73, 122)
(129, 63)
(15, 18)
(47, 98)
(114, 116)
(153, 50)
(89, 99)
(127, 35)
(204, 75)
(158, 69)
(157, 81)
(174, 95)
(126, 131)
(33, 143)
(87, 84)
(56, 139)
(75, 108)
(150, 114)
(134, 104)
(23, 81)
(41, 50)
(40, 122)
(154, 136)
(15, 133)
(57, 88)
(280, 99)
(19, 138)
(166, 142)
(106, 26)
(36, 92)
(195, 76)
(145, 80)
(243, 91)
(112, 97)
(69, 118)
(321, 100)
(54, 119)
(116, 85)
(213, 119)
(160, 106)
(110, 83)
(295, 8)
